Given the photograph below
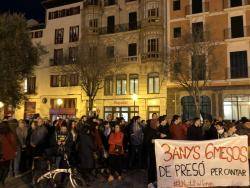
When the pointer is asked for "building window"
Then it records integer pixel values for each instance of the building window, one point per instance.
(235, 3)
(153, 110)
(197, 31)
(64, 12)
(176, 5)
(59, 36)
(73, 33)
(132, 49)
(189, 110)
(37, 34)
(153, 45)
(58, 57)
(93, 23)
(153, 83)
(73, 80)
(238, 64)
(73, 53)
(236, 106)
(110, 2)
(199, 67)
(111, 24)
(177, 32)
(64, 80)
(121, 84)
(153, 12)
(132, 20)
(54, 80)
(31, 85)
(127, 112)
(197, 6)
(29, 109)
(237, 28)
(110, 51)
(108, 85)
(133, 83)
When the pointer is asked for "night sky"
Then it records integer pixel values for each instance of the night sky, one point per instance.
(30, 8)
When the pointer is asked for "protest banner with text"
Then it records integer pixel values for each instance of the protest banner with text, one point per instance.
(222, 162)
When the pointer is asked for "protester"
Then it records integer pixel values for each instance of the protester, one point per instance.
(164, 126)
(115, 153)
(136, 140)
(195, 131)
(231, 130)
(20, 164)
(85, 149)
(178, 130)
(7, 150)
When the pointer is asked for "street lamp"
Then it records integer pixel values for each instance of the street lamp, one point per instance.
(134, 97)
(59, 102)
(1, 104)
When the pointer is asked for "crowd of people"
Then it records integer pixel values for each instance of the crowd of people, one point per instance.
(94, 146)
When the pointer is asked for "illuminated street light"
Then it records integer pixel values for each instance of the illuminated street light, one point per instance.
(1, 104)
(134, 97)
(59, 102)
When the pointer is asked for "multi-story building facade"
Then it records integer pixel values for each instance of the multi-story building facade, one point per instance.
(228, 91)
(137, 33)
(133, 33)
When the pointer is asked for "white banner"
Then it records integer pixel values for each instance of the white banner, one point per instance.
(222, 162)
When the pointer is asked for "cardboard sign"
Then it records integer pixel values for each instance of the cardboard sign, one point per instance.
(222, 162)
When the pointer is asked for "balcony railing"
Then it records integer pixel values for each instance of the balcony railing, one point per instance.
(126, 1)
(129, 59)
(120, 28)
(227, 3)
(110, 2)
(230, 34)
(92, 2)
(151, 56)
(237, 73)
(189, 9)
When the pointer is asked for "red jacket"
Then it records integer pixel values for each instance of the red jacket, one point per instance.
(115, 139)
(178, 132)
(8, 146)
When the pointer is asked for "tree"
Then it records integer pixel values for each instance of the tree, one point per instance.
(92, 65)
(190, 63)
(18, 56)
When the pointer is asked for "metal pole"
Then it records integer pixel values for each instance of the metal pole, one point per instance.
(134, 108)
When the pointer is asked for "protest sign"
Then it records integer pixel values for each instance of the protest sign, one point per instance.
(222, 162)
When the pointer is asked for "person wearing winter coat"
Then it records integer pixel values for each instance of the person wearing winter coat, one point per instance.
(178, 130)
(136, 140)
(116, 152)
(85, 149)
(21, 132)
(7, 150)
(195, 131)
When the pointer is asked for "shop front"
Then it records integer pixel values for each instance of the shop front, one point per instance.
(62, 108)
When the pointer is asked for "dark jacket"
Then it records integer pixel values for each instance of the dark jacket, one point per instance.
(211, 133)
(85, 149)
(195, 133)
(164, 129)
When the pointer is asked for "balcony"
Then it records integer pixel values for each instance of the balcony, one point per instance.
(120, 28)
(229, 33)
(127, 1)
(237, 73)
(129, 59)
(191, 10)
(227, 3)
(110, 2)
(92, 3)
(152, 21)
(153, 56)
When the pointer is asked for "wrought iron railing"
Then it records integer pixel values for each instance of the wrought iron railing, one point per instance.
(120, 28)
